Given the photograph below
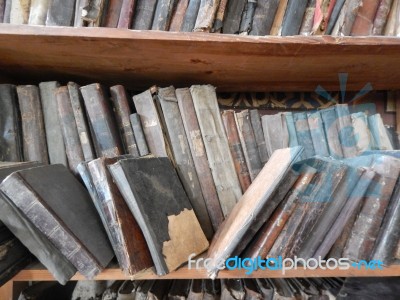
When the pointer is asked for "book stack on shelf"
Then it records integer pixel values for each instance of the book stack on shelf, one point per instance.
(276, 17)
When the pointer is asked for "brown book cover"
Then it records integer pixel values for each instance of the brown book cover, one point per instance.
(33, 132)
(220, 16)
(126, 13)
(38, 12)
(364, 22)
(276, 132)
(206, 15)
(178, 15)
(278, 20)
(381, 17)
(113, 13)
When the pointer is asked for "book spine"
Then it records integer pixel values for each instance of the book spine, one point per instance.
(11, 145)
(126, 13)
(379, 134)
(198, 151)
(364, 20)
(178, 15)
(139, 134)
(113, 13)
(361, 131)
(390, 28)
(293, 17)
(303, 133)
(350, 17)
(190, 16)
(228, 118)
(329, 120)
(122, 112)
(317, 134)
(144, 13)
(233, 17)
(220, 16)
(2, 10)
(216, 145)
(255, 120)
(162, 15)
(206, 15)
(381, 17)
(81, 121)
(323, 9)
(182, 156)
(60, 13)
(293, 142)
(79, 5)
(34, 138)
(275, 131)
(247, 17)
(249, 145)
(54, 138)
(334, 16)
(7, 11)
(38, 12)
(101, 118)
(22, 195)
(308, 19)
(68, 128)
(263, 17)
(16, 14)
(279, 16)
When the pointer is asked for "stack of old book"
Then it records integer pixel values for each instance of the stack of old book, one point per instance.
(277, 17)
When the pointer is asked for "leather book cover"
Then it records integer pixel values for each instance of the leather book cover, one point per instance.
(303, 134)
(123, 231)
(102, 120)
(33, 131)
(318, 134)
(82, 125)
(228, 118)
(139, 134)
(364, 21)
(293, 17)
(216, 145)
(196, 290)
(346, 132)
(38, 12)
(264, 17)
(156, 198)
(323, 10)
(291, 128)
(69, 132)
(144, 13)
(364, 140)
(190, 16)
(249, 144)
(278, 20)
(255, 120)
(345, 24)
(232, 289)
(54, 137)
(78, 10)
(308, 19)
(254, 202)
(379, 133)
(126, 13)
(276, 132)
(179, 289)
(122, 112)
(61, 13)
(337, 9)
(60, 207)
(182, 156)
(233, 17)
(197, 148)
(381, 17)
(178, 15)
(163, 14)
(206, 15)
(247, 17)
(220, 16)
(329, 119)
(10, 125)
(113, 13)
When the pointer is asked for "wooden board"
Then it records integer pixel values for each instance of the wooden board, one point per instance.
(139, 59)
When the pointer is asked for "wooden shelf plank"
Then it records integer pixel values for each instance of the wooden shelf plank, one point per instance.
(139, 59)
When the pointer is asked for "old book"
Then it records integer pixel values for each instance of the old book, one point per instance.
(216, 145)
(113, 13)
(53, 194)
(162, 15)
(126, 13)
(81, 121)
(159, 290)
(276, 133)
(220, 16)
(293, 17)
(364, 21)
(247, 17)
(93, 13)
(255, 120)
(79, 5)
(151, 123)
(278, 20)
(102, 120)
(182, 156)
(379, 133)
(282, 289)
(318, 134)
(123, 231)
(323, 10)
(54, 137)
(7, 11)
(390, 28)
(144, 12)
(190, 16)
(159, 204)
(303, 133)
(19, 13)
(254, 202)
(69, 131)
(308, 19)
(364, 140)
(33, 132)
(232, 289)
(38, 12)
(197, 148)
(393, 137)
(10, 128)
(178, 15)
(350, 11)
(266, 288)
(139, 134)
(263, 17)
(233, 17)
(251, 289)
(345, 128)
(61, 13)
(249, 144)
(381, 17)
(196, 290)
(2, 8)
(211, 288)
(206, 15)
(329, 119)
(228, 118)
(179, 289)
(334, 16)
(122, 112)
(291, 128)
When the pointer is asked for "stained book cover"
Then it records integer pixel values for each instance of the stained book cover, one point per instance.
(178, 15)
(156, 198)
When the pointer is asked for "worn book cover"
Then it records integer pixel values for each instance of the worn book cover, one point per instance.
(264, 17)
(144, 13)
(233, 17)
(94, 13)
(379, 133)
(278, 20)
(381, 17)
(318, 137)
(255, 120)
(126, 13)
(276, 132)
(220, 16)
(247, 17)
(190, 16)
(364, 21)
(206, 15)
(178, 15)
(334, 16)
(346, 132)
(331, 128)
(364, 140)
(293, 17)
(38, 12)
(79, 6)
(308, 19)
(162, 15)
(303, 133)
(139, 134)
(61, 13)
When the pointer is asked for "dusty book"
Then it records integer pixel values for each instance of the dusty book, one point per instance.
(317, 132)
(308, 19)
(334, 16)
(126, 13)
(178, 15)
(61, 13)
(38, 12)
(364, 140)
(139, 134)
(329, 119)
(190, 16)
(276, 133)
(303, 134)
(144, 13)
(263, 17)
(364, 21)
(379, 133)
(381, 16)
(112, 13)
(255, 120)
(162, 15)
(293, 17)
(220, 16)
(247, 17)
(278, 20)
(206, 15)
(233, 17)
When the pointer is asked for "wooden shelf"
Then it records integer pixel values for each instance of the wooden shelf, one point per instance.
(139, 59)
(40, 274)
